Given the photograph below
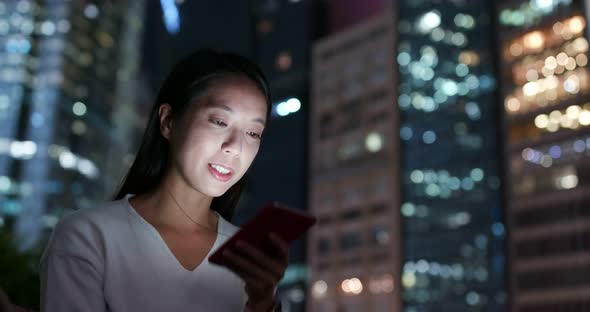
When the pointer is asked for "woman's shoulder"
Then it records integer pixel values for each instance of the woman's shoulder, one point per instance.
(101, 214)
(86, 227)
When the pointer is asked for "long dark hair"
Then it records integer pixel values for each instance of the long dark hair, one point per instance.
(188, 79)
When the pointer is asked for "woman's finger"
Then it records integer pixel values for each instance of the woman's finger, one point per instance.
(244, 268)
(255, 286)
(262, 259)
(247, 277)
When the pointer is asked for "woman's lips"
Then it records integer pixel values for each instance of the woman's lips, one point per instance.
(223, 177)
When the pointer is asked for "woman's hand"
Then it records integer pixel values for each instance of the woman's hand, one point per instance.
(260, 272)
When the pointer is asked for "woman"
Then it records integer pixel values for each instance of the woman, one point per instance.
(147, 250)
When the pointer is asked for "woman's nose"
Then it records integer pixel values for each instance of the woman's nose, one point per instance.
(233, 144)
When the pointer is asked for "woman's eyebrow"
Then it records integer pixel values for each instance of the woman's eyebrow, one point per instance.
(228, 109)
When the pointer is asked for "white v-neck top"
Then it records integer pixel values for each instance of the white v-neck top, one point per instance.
(109, 258)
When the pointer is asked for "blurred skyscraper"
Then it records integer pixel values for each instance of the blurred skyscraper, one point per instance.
(438, 243)
(354, 171)
(67, 87)
(546, 95)
(453, 229)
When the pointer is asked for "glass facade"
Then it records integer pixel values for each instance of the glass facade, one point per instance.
(453, 230)
(545, 97)
(60, 97)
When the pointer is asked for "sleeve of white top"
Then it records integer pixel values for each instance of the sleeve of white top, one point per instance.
(70, 284)
(72, 269)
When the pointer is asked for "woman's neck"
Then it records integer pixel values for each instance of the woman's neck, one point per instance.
(174, 204)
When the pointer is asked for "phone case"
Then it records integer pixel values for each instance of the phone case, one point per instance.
(272, 218)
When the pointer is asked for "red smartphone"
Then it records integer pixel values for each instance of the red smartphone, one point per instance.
(275, 218)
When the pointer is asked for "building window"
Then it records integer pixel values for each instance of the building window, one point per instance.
(350, 240)
(323, 245)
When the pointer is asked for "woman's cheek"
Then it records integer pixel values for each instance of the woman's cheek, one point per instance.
(252, 154)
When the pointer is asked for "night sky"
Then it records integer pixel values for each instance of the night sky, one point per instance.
(222, 24)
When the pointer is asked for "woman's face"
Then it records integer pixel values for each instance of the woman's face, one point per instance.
(214, 143)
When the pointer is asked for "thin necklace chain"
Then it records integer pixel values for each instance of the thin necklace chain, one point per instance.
(189, 217)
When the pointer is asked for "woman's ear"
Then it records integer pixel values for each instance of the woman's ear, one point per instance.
(165, 115)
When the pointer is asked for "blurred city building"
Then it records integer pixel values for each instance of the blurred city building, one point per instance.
(453, 229)
(544, 53)
(433, 131)
(416, 222)
(343, 14)
(353, 253)
(68, 74)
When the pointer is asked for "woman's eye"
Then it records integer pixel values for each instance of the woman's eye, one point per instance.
(254, 135)
(218, 122)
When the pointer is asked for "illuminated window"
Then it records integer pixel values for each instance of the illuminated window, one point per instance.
(319, 289)
(91, 11)
(265, 27)
(380, 235)
(352, 286)
(283, 61)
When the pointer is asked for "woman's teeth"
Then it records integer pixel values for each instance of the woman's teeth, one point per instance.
(220, 169)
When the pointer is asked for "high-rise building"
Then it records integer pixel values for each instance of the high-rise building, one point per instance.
(416, 222)
(452, 211)
(133, 98)
(342, 14)
(546, 103)
(65, 75)
(353, 253)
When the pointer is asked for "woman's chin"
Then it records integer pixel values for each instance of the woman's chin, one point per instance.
(217, 192)
(213, 188)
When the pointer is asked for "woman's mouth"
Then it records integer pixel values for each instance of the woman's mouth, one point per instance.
(220, 172)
